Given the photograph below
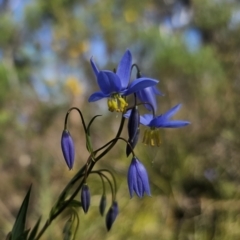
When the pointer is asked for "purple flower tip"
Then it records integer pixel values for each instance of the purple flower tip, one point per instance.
(111, 215)
(102, 205)
(85, 198)
(68, 148)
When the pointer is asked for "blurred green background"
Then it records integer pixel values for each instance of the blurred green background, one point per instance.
(192, 46)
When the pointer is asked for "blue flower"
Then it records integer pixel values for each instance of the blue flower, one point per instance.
(151, 135)
(148, 95)
(138, 179)
(85, 198)
(115, 86)
(162, 121)
(111, 215)
(68, 148)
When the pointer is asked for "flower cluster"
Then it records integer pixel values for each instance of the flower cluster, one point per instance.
(117, 86)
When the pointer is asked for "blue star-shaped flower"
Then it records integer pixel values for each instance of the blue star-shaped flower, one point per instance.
(163, 120)
(151, 135)
(116, 86)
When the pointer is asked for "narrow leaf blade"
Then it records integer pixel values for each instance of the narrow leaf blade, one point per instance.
(19, 225)
(34, 230)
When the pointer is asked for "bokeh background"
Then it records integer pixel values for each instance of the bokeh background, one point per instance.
(192, 46)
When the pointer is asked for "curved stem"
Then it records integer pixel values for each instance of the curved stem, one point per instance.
(99, 172)
(79, 173)
(81, 115)
(114, 180)
(77, 217)
(138, 69)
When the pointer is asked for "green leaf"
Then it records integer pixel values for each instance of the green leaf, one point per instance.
(19, 225)
(34, 230)
(24, 235)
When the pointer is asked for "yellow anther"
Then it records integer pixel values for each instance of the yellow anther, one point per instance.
(151, 137)
(123, 104)
(157, 137)
(117, 103)
(110, 105)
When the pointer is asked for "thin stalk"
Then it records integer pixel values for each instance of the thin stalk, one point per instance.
(79, 173)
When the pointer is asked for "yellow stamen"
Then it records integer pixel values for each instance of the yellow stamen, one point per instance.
(123, 104)
(117, 103)
(151, 137)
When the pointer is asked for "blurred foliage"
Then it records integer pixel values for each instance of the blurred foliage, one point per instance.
(45, 47)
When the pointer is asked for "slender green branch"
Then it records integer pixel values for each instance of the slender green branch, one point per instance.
(114, 191)
(79, 174)
(81, 115)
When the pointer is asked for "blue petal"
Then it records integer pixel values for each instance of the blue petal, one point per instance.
(173, 124)
(171, 112)
(142, 173)
(97, 96)
(146, 119)
(127, 114)
(157, 92)
(94, 67)
(138, 187)
(124, 69)
(108, 82)
(131, 178)
(148, 95)
(140, 84)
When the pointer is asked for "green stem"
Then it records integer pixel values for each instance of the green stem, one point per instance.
(80, 113)
(78, 176)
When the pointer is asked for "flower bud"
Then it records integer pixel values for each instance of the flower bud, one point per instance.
(111, 215)
(68, 148)
(102, 205)
(133, 129)
(85, 198)
(138, 179)
(68, 230)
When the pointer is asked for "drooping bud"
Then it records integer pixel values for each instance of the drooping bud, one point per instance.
(133, 129)
(85, 198)
(67, 230)
(102, 205)
(111, 215)
(70, 228)
(68, 148)
(138, 179)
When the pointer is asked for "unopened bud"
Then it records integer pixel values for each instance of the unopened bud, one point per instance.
(68, 148)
